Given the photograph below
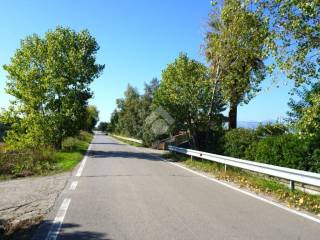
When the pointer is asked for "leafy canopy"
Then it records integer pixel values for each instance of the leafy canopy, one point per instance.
(294, 38)
(235, 50)
(185, 92)
(236, 53)
(49, 79)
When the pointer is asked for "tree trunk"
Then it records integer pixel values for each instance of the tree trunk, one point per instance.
(233, 115)
(194, 139)
(58, 143)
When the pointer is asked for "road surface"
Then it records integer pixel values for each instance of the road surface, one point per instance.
(123, 193)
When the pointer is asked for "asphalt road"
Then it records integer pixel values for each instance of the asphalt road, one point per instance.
(124, 193)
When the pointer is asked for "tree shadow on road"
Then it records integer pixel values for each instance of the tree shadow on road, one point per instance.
(124, 154)
(39, 231)
(68, 233)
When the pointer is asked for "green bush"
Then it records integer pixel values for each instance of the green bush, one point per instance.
(85, 136)
(271, 129)
(315, 161)
(2, 131)
(236, 141)
(69, 143)
(286, 150)
(25, 162)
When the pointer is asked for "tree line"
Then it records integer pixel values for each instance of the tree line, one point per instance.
(49, 78)
(245, 43)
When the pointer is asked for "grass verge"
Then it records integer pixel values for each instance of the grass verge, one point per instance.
(254, 182)
(66, 160)
(44, 161)
(128, 142)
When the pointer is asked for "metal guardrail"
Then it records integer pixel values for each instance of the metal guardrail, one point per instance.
(129, 139)
(290, 174)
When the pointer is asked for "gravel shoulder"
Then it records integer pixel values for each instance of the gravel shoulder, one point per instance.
(26, 201)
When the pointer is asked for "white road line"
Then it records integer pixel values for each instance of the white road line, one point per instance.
(56, 226)
(79, 172)
(317, 220)
(73, 185)
(301, 214)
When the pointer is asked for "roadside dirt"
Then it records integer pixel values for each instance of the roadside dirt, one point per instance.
(24, 202)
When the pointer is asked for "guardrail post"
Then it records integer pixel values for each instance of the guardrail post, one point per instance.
(292, 185)
(225, 167)
(191, 158)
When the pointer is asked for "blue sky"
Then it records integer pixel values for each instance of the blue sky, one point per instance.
(137, 40)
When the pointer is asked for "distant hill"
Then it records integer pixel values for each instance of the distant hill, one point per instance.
(253, 125)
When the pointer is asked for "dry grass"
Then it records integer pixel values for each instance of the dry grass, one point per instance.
(43, 161)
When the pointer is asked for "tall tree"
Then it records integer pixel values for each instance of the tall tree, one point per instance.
(295, 44)
(132, 111)
(91, 118)
(146, 100)
(295, 36)
(103, 126)
(129, 122)
(114, 119)
(235, 50)
(305, 109)
(185, 92)
(150, 89)
(49, 79)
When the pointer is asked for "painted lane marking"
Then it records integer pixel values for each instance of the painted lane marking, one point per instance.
(79, 172)
(317, 220)
(73, 185)
(56, 225)
(301, 214)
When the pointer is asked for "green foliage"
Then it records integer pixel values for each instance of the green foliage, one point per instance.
(305, 113)
(103, 126)
(286, 150)
(91, 118)
(149, 137)
(236, 141)
(49, 79)
(314, 162)
(69, 143)
(272, 144)
(129, 119)
(129, 122)
(294, 42)
(2, 131)
(271, 129)
(85, 136)
(235, 51)
(26, 162)
(67, 160)
(294, 38)
(112, 126)
(185, 93)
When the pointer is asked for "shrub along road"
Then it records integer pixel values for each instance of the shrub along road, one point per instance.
(125, 193)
